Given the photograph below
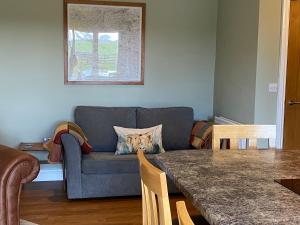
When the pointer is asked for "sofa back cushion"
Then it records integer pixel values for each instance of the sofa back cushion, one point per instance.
(97, 123)
(177, 125)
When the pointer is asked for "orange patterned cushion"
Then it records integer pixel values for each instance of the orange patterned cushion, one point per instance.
(201, 137)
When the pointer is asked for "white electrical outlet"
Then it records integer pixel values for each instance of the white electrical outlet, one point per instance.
(273, 87)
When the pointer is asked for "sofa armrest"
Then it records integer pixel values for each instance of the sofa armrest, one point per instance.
(72, 163)
(16, 168)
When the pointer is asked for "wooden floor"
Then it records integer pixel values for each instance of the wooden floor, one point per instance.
(51, 207)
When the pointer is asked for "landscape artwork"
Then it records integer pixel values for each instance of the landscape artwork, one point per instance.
(104, 43)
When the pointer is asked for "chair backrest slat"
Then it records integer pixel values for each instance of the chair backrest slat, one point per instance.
(252, 144)
(183, 215)
(156, 206)
(235, 133)
(234, 143)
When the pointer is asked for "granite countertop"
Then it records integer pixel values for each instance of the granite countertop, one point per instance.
(237, 187)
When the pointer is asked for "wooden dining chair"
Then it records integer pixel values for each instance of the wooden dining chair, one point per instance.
(155, 197)
(250, 133)
(183, 215)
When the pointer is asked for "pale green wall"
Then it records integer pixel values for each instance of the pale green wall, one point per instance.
(180, 57)
(247, 60)
(234, 95)
(267, 60)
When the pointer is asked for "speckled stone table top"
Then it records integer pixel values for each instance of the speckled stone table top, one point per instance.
(237, 187)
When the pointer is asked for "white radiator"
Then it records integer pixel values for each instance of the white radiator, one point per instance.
(224, 121)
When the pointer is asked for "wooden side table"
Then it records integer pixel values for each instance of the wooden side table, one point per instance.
(27, 146)
(36, 149)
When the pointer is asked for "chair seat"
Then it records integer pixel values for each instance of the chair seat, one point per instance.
(109, 163)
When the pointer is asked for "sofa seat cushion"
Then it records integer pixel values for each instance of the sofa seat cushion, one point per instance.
(97, 124)
(109, 163)
(177, 125)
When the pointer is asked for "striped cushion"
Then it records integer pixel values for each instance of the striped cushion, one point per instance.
(76, 131)
(54, 145)
(201, 137)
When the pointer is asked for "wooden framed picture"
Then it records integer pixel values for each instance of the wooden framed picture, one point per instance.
(104, 42)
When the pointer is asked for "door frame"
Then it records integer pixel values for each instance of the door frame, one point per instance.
(285, 22)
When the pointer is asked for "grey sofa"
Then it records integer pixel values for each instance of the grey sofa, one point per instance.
(102, 173)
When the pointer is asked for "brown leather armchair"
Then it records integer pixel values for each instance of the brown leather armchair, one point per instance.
(16, 169)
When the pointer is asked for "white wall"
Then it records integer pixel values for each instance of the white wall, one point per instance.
(236, 58)
(268, 55)
(247, 60)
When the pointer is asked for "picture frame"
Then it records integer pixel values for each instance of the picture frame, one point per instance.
(104, 42)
